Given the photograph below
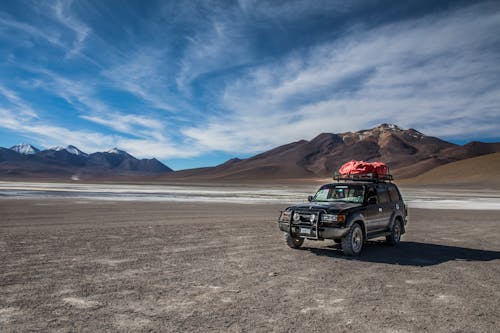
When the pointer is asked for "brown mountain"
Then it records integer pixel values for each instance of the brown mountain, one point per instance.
(482, 171)
(407, 153)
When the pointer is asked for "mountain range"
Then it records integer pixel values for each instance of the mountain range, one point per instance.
(25, 160)
(407, 152)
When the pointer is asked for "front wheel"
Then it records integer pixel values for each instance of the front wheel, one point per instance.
(352, 243)
(293, 242)
(395, 237)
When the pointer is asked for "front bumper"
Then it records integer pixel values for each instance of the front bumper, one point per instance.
(323, 232)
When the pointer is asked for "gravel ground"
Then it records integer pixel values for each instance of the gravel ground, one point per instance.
(69, 265)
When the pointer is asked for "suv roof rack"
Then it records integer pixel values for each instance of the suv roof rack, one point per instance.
(365, 177)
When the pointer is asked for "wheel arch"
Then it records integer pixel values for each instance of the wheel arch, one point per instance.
(362, 225)
(357, 217)
(398, 218)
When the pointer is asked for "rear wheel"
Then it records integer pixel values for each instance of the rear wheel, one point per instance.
(293, 241)
(395, 237)
(352, 243)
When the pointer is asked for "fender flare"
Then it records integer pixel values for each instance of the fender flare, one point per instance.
(357, 218)
(397, 216)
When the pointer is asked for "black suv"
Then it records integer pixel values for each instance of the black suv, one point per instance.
(348, 211)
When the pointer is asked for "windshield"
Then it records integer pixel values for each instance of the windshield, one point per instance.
(349, 193)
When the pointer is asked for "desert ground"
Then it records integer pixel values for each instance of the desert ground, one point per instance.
(108, 263)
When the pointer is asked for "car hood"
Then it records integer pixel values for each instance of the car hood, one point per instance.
(331, 207)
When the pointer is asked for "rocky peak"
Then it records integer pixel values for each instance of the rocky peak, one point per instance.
(25, 149)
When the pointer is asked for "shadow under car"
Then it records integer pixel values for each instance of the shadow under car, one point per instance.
(409, 253)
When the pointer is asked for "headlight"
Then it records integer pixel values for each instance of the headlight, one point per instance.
(285, 216)
(332, 218)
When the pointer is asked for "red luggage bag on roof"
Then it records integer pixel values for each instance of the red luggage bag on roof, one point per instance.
(362, 167)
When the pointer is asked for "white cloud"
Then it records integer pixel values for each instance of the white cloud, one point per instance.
(23, 108)
(59, 27)
(152, 148)
(125, 122)
(298, 9)
(132, 125)
(7, 25)
(144, 75)
(20, 117)
(219, 43)
(144, 137)
(438, 74)
(62, 13)
(48, 135)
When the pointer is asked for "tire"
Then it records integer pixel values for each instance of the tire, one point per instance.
(352, 243)
(395, 237)
(293, 242)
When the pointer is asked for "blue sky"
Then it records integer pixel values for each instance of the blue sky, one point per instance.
(195, 83)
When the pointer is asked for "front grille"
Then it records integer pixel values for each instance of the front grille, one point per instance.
(305, 217)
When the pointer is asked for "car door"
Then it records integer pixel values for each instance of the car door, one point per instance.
(371, 211)
(384, 207)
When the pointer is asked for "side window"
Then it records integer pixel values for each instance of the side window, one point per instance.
(394, 194)
(383, 195)
(370, 192)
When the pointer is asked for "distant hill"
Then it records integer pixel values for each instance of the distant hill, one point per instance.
(407, 152)
(482, 171)
(27, 161)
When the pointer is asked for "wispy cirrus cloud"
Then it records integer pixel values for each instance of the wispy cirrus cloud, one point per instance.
(49, 135)
(435, 73)
(62, 13)
(55, 24)
(7, 25)
(140, 135)
(143, 75)
(22, 108)
(183, 79)
(219, 44)
(19, 116)
(132, 125)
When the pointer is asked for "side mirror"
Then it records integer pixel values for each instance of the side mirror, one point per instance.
(310, 198)
(372, 200)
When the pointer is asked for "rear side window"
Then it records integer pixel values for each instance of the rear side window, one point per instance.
(394, 193)
(383, 195)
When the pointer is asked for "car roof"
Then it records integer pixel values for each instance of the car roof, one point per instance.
(348, 183)
(357, 183)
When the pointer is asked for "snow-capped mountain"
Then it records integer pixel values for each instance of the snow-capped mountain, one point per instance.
(70, 149)
(28, 161)
(25, 149)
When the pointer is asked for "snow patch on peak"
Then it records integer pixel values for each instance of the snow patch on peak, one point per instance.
(25, 149)
(73, 150)
(117, 151)
(389, 127)
(57, 148)
(70, 149)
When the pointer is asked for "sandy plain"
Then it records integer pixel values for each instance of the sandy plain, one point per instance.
(80, 264)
